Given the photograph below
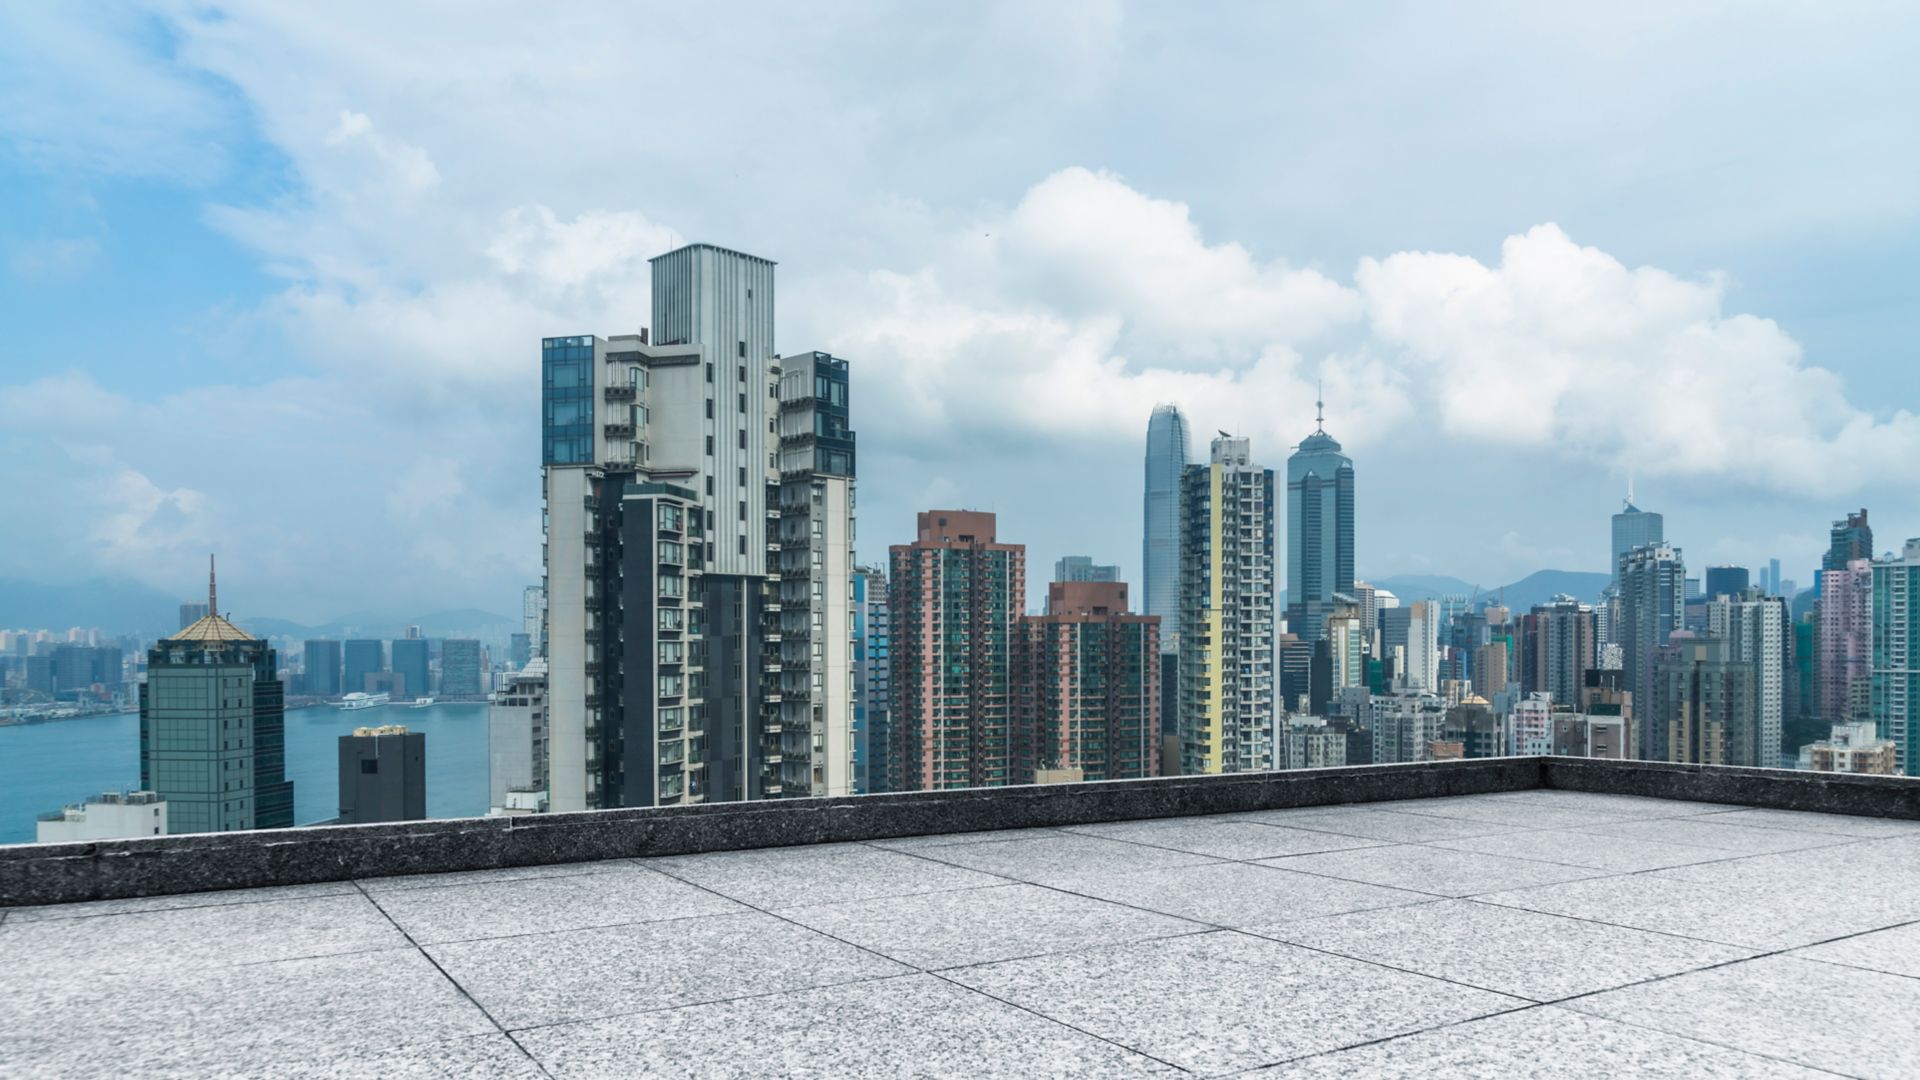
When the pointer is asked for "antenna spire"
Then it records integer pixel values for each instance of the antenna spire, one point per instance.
(1319, 407)
(213, 595)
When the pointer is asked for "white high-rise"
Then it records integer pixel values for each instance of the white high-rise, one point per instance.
(1755, 627)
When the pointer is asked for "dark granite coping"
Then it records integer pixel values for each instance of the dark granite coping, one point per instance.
(64, 873)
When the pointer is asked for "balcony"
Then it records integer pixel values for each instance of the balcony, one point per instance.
(621, 393)
(1504, 917)
(617, 431)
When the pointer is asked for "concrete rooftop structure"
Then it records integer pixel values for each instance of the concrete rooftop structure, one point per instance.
(1520, 933)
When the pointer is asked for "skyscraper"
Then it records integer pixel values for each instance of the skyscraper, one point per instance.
(533, 617)
(1850, 538)
(1226, 613)
(953, 594)
(461, 671)
(213, 729)
(872, 680)
(1651, 587)
(1632, 528)
(1896, 654)
(1086, 679)
(815, 511)
(322, 663)
(1319, 530)
(192, 612)
(1705, 706)
(1167, 454)
(364, 657)
(1083, 568)
(1725, 581)
(410, 663)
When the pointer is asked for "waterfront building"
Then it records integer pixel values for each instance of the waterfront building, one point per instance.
(1725, 581)
(1086, 686)
(321, 664)
(1226, 693)
(519, 651)
(115, 815)
(517, 743)
(411, 667)
(1843, 644)
(1895, 690)
(1558, 645)
(383, 775)
(1634, 528)
(190, 613)
(1083, 568)
(953, 594)
(815, 741)
(213, 729)
(1320, 530)
(1651, 608)
(872, 679)
(460, 670)
(362, 657)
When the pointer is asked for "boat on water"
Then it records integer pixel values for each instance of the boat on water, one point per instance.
(358, 700)
(421, 703)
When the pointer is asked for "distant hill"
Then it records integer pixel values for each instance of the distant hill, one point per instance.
(1536, 588)
(115, 606)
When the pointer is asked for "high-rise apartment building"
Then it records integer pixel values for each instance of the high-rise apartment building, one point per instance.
(1557, 649)
(816, 737)
(1706, 709)
(1896, 654)
(461, 670)
(213, 730)
(1226, 613)
(1852, 748)
(664, 490)
(1320, 529)
(1755, 627)
(953, 595)
(1410, 638)
(872, 680)
(411, 663)
(1633, 528)
(517, 743)
(533, 617)
(1406, 723)
(1843, 645)
(1083, 568)
(363, 657)
(1086, 678)
(1490, 664)
(321, 658)
(1651, 584)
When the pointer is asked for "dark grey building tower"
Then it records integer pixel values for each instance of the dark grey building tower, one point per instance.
(383, 775)
(1319, 531)
(410, 663)
(323, 668)
(213, 729)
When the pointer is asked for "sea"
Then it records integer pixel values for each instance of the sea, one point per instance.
(46, 766)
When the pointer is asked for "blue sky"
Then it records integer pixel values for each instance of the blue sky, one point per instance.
(272, 279)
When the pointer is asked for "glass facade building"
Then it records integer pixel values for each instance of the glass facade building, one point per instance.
(566, 400)
(1160, 544)
(1320, 530)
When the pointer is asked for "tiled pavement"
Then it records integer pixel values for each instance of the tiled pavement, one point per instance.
(1538, 933)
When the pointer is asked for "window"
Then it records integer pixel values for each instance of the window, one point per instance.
(743, 403)
(670, 517)
(709, 408)
(743, 476)
(743, 545)
(743, 348)
(672, 652)
(709, 450)
(709, 446)
(369, 766)
(671, 618)
(743, 511)
(743, 438)
(709, 371)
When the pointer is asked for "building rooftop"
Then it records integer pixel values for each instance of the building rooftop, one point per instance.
(1538, 932)
(211, 628)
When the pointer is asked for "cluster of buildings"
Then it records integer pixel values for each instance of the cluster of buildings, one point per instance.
(409, 668)
(41, 669)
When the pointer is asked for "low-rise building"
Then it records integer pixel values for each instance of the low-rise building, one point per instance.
(114, 815)
(1852, 748)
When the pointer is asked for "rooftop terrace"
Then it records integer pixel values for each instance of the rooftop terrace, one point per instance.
(1519, 931)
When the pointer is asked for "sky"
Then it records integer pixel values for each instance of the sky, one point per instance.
(273, 277)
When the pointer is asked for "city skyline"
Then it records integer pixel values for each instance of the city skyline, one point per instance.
(353, 276)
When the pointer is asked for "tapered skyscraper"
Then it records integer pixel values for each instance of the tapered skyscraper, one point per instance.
(1319, 531)
(1160, 545)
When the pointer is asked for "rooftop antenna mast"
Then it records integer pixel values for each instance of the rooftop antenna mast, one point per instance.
(1319, 407)
(213, 595)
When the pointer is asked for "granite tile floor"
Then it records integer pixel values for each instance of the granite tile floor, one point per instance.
(1542, 933)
